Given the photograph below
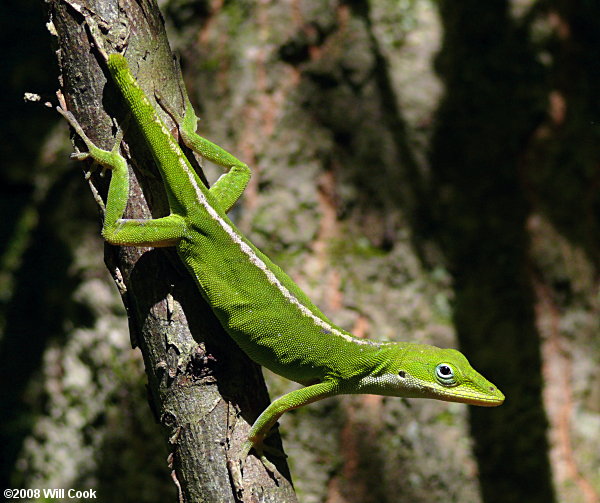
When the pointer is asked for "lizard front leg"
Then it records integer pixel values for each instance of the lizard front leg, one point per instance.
(262, 426)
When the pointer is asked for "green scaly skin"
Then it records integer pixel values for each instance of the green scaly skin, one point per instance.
(259, 305)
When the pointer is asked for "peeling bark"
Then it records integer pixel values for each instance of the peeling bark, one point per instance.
(203, 390)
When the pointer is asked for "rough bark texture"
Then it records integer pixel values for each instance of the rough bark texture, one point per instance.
(408, 194)
(199, 382)
(485, 121)
(303, 92)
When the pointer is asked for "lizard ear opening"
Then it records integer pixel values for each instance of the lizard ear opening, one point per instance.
(402, 374)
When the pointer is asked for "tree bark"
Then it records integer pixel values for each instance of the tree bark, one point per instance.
(203, 390)
(485, 122)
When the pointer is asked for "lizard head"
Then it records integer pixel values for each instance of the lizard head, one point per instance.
(422, 371)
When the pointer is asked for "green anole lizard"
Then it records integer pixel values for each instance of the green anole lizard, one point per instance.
(258, 304)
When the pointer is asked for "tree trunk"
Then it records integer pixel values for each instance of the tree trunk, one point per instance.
(491, 109)
(203, 389)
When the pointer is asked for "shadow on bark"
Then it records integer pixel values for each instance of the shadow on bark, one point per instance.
(35, 315)
(474, 207)
(492, 105)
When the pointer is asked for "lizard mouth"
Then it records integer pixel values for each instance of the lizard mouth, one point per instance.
(490, 398)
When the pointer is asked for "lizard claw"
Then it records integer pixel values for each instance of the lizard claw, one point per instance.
(236, 465)
(80, 156)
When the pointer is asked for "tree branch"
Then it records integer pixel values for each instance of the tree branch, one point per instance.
(200, 383)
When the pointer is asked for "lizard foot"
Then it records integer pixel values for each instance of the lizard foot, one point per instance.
(236, 465)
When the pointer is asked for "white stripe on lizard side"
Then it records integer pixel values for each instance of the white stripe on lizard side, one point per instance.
(255, 259)
(236, 238)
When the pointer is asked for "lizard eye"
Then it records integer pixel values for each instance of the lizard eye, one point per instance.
(444, 374)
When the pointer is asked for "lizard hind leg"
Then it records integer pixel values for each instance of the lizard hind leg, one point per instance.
(164, 231)
(230, 186)
(110, 159)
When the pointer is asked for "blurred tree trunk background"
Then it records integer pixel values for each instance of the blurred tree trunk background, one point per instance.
(426, 171)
